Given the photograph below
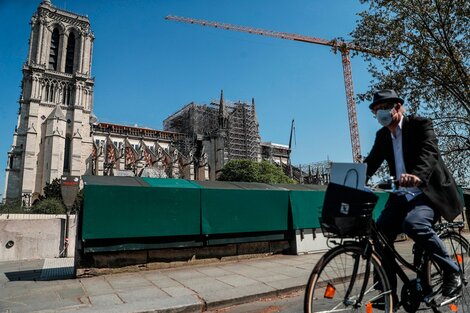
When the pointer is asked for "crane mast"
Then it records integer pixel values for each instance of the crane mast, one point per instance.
(336, 45)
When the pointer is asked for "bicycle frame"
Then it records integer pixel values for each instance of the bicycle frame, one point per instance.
(377, 242)
(382, 247)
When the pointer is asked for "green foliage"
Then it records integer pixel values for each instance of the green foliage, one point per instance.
(13, 206)
(240, 170)
(78, 202)
(425, 48)
(49, 206)
(272, 174)
(252, 171)
(52, 189)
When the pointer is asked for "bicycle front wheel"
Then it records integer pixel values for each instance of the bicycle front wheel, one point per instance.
(459, 250)
(345, 281)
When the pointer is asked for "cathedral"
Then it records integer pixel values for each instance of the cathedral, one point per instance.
(57, 133)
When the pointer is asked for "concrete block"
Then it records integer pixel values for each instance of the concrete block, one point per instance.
(213, 271)
(253, 247)
(245, 270)
(309, 241)
(237, 280)
(133, 295)
(31, 239)
(127, 281)
(205, 285)
(105, 300)
(233, 296)
(71, 292)
(178, 291)
(216, 251)
(161, 280)
(289, 283)
(169, 255)
(96, 286)
(119, 259)
(271, 278)
(185, 274)
(279, 246)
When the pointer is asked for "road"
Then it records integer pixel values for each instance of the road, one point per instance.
(291, 303)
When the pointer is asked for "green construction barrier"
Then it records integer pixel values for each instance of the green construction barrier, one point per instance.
(306, 203)
(228, 208)
(170, 183)
(122, 208)
(151, 208)
(379, 207)
(306, 208)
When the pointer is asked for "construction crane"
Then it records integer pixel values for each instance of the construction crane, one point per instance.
(336, 45)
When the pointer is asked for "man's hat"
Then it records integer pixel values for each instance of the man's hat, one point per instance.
(385, 96)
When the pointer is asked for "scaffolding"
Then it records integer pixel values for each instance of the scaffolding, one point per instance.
(243, 140)
(192, 119)
(317, 173)
(241, 130)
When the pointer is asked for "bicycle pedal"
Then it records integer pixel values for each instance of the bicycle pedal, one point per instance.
(430, 300)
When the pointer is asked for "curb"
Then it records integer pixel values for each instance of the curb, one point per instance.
(251, 298)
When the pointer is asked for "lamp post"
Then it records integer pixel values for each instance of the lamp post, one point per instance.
(69, 188)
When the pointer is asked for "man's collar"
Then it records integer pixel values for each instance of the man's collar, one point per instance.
(399, 128)
(400, 124)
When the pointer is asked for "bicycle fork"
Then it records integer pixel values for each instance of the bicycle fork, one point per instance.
(366, 255)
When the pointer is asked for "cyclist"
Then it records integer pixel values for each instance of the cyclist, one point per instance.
(409, 146)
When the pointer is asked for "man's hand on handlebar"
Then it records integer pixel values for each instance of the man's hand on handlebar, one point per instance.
(392, 185)
(409, 180)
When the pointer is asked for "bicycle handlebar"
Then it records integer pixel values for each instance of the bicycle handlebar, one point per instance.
(391, 185)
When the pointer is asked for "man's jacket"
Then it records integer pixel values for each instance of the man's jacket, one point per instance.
(422, 158)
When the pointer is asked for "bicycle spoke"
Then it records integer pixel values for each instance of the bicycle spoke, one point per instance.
(459, 251)
(343, 284)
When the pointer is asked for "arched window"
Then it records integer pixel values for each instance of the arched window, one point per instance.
(70, 54)
(67, 154)
(54, 51)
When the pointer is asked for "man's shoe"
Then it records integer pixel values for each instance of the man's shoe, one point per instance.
(452, 283)
(379, 303)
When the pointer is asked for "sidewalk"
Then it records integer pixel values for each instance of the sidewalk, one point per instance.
(184, 289)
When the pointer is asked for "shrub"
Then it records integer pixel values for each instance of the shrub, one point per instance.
(253, 171)
(48, 206)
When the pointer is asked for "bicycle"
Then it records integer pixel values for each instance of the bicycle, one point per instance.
(350, 276)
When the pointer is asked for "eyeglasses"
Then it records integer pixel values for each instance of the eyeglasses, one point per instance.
(383, 106)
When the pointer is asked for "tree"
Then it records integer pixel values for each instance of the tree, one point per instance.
(49, 206)
(425, 47)
(52, 189)
(52, 192)
(253, 171)
(13, 206)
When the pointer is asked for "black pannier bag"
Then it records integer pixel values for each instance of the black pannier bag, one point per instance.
(347, 212)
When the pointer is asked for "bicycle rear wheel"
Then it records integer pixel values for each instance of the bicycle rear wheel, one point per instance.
(337, 280)
(459, 250)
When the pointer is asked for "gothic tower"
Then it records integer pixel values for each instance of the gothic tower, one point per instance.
(53, 134)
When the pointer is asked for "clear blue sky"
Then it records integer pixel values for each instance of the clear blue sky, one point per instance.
(146, 68)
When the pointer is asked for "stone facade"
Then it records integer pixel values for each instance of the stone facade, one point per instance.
(52, 136)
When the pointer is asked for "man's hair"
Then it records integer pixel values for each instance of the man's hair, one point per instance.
(402, 108)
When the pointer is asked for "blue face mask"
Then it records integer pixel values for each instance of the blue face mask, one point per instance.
(384, 117)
